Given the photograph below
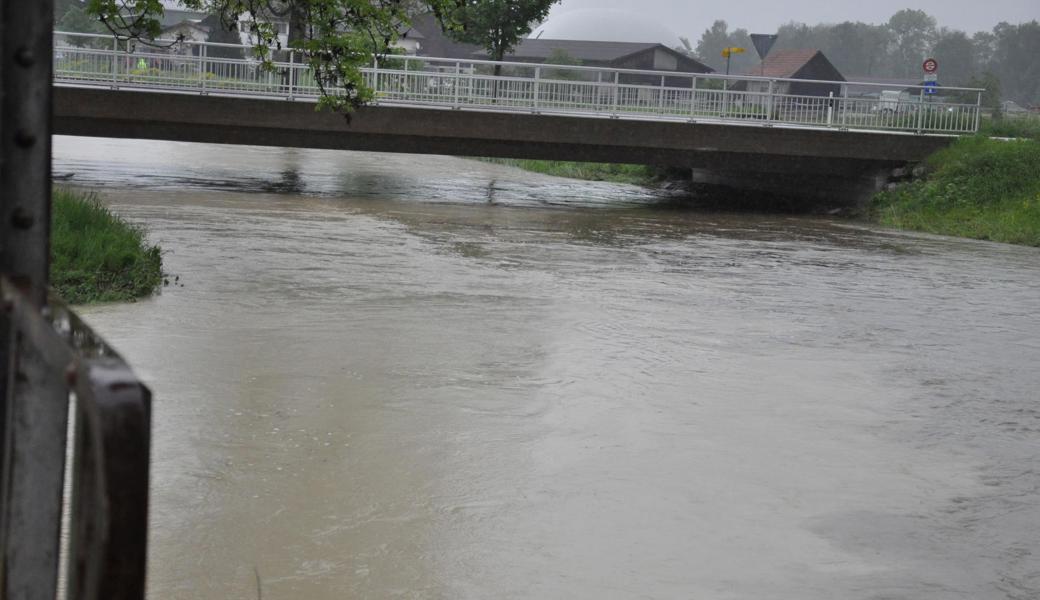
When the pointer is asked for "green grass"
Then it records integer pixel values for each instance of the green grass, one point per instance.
(97, 256)
(1027, 126)
(978, 188)
(633, 174)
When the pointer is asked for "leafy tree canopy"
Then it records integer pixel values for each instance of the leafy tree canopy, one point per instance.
(336, 38)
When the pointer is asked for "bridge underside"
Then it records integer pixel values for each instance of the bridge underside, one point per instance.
(780, 159)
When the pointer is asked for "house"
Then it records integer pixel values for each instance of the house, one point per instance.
(795, 64)
(433, 42)
(614, 55)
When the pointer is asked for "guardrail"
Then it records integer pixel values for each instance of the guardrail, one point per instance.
(56, 362)
(225, 69)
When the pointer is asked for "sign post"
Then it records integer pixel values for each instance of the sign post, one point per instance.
(728, 53)
(763, 44)
(931, 76)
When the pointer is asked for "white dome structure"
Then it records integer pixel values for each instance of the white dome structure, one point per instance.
(605, 25)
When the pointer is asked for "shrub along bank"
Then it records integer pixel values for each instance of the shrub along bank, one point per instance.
(978, 188)
(97, 256)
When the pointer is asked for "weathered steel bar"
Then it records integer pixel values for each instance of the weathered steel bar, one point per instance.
(35, 397)
(34, 461)
(25, 173)
(109, 522)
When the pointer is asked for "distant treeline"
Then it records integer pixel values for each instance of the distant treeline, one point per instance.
(1004, 60)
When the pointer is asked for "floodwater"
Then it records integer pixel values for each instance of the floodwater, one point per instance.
(426, 377)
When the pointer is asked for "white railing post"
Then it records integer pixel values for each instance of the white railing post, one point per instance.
(660, 98)
(292, 73)
(844, 106)
(458, 78)
(115, 60)
(769, 101)
(537, 86)
(202, 68)
(693, 99)
(978, 113)
(617, 82)
(920, 112)
(830, 108)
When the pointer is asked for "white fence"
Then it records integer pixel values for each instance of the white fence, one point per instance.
(86, 59)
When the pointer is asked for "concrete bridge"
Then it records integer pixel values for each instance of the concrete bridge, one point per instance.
(757, 139)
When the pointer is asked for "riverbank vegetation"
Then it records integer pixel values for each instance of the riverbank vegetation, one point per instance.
(978, 188)
(617, 173)
(97, 256)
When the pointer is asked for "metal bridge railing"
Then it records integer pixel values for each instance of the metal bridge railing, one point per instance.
(56, 363)
(224, 69)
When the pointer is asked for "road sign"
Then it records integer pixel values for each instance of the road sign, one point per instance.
(763, 43)
(931, 65)
(931, 77)
(931, 88)
(731, 51)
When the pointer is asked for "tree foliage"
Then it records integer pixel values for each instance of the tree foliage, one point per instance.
(336, 38)
(716, 39)
(496, 25)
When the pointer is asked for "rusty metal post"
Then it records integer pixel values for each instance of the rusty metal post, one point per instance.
(25, 170)
(35, 399)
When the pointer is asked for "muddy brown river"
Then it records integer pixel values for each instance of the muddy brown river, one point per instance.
(384, 376)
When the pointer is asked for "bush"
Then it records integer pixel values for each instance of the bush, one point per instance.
(96, 256)
(978, 187)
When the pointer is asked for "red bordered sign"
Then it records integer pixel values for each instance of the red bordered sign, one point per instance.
(931, 65)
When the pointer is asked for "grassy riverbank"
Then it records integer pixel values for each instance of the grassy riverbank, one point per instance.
(977, 188)
(96, 256)
(633, 174)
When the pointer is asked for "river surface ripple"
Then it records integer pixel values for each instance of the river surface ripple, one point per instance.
(426, 377)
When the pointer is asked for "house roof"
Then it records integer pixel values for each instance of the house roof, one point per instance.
(579, 49)
(784, 64)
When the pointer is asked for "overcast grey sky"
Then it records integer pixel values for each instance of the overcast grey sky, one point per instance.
(692, 17)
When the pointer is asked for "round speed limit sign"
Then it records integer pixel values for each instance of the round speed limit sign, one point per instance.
(931, 65)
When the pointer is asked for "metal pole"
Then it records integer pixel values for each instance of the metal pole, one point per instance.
(292, 72)
(537, 82)
(830, 108)
(34, 412)
(115, 59)
(617, 80)
(693, 98)
(202, 69)
(660, 98)
(25, 170)
(844, 105)
(769, 101)
(920, 112)
(978, 112)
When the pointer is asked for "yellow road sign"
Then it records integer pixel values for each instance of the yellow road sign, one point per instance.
(731, 51)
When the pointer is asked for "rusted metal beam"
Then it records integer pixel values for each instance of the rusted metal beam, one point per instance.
(108, 540)
(34, 459)
(25, 143)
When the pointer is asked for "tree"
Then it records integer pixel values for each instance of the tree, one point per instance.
(336, 38)
(77, 20)
(497, 25)
(913, 32)
(1014, 61)
(956, 55)
(716, 39)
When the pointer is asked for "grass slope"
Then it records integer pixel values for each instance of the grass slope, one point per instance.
(978, 188)
(96, 256)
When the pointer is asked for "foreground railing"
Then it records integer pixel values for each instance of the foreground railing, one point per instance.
(54, 361)
(225, 69)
